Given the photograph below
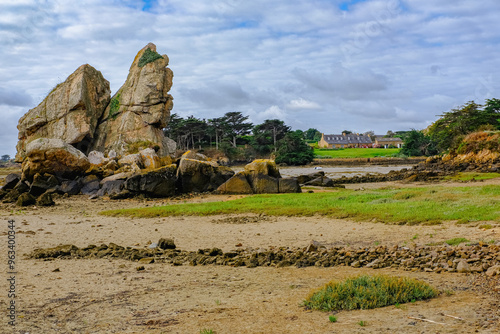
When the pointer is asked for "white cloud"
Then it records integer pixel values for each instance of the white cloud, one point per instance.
(383, 64)
(301, 104)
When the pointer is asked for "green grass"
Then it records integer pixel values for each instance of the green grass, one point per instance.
(456, 241)
(472, 175)
(207, 331)
(332, 318)
(368, 292)
(397, 206)
(357, 152)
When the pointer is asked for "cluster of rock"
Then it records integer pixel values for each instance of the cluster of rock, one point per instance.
(461, 259)
(143, 173)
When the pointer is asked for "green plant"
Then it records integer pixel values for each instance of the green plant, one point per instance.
(414, 237)
(332, 318)
(207, 331)
(148, 56)
(456, 241)
(114, 106)
(367, 292)
(486, 226)
(217, 302)
(362, 323)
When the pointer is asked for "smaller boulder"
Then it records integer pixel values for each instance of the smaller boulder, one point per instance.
(11, 180)
(463, 267)
(238, 184)
(111, 188)
(97, 158)
(149, 159)
(25, 199)
(45, 199)
(90, 185)
(289, 185)
(70, 187)
(131, 160)
(264, 184)
(166, 244)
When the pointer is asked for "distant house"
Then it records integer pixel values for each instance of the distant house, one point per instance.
(387, 142)
(344, 141)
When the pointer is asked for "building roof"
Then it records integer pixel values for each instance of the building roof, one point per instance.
(347, 139)
(382, 138)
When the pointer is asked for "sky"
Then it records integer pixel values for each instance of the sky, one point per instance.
(333, 65)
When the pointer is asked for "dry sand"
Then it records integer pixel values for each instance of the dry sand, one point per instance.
(111, 296)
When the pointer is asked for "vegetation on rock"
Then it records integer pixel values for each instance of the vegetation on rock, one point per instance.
(114, 106)
(148, 56)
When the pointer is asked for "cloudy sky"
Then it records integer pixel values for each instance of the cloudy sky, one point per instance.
(328, 64)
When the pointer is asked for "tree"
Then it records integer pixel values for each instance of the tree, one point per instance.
(236, 125)
(389, 134)
(293, 150)
(448, 131)
(5, 157)
(346, 132)
(267, 134)
(312, 134)
(416, 143)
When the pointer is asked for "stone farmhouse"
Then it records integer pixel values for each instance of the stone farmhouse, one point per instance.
(344, 141)
(357, 140)
(384, 142)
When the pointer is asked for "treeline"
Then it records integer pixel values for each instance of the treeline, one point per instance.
(447, 133)
(239, 139)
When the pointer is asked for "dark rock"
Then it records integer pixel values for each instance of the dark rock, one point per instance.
(302, 179)
(22, 187)
(25, 199)
(166, 244)
(91, 185)
(111, 188)
(11, 180)
(70, 187)
(289, 185)
(45, 200)
(238, 184)
(122, 194)
(158, 183)
(43, 183)
(264, 184)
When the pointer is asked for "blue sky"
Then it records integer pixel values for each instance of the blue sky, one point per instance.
(332, 65)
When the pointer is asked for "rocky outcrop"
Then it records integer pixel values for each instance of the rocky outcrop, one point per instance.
(259, 177)
(70, 112)
(196, 173)
(140, 109)
(156, 183)
(53, 156)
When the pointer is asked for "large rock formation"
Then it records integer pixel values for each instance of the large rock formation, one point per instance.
(70, 112)
(140, 109)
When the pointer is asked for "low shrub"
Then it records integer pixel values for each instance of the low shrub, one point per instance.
(368, 292)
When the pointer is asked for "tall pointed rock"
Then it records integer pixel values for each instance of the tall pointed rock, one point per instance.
(140, 109)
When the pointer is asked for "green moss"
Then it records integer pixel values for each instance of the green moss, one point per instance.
(368, 292)
(139, 145)
(148, 56)
(114, 106)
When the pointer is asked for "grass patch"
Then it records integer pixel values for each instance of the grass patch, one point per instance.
(486, 226)
(456, 241)
(368, 292)
(356, 153)
(207, 331)
(469, 176)
(332, 318)
(148, 56)
(423, 205)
